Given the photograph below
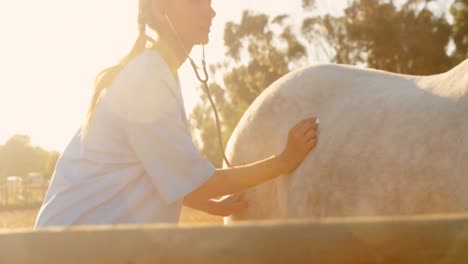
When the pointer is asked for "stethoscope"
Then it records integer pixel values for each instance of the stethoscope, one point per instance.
(204, 81)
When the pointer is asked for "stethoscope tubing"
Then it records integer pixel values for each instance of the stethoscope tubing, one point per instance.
(204, 81)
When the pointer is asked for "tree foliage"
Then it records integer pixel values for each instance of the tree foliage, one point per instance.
(19, 158)
(410, 39)
(459, 11)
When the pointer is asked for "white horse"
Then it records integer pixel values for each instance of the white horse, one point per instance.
(389, 144)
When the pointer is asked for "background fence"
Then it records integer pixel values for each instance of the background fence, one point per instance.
(22, 195)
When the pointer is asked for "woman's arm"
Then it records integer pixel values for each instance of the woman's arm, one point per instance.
(301, 140)
(224, 207)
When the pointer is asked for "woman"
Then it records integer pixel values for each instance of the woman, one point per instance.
(134, 160)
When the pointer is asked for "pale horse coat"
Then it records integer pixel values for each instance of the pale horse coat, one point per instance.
(388, 144)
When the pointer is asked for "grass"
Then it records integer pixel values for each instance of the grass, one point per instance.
(25, 218)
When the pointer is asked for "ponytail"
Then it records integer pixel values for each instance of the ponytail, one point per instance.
(106, 76)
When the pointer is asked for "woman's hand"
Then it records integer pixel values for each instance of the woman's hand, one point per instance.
(228, 206)
(302, 138)
(224, 207)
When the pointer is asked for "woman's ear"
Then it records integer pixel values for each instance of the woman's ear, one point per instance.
(158, 8)
(157, 13)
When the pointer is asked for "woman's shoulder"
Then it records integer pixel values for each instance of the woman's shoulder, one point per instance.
(148, 66)
(139, 91)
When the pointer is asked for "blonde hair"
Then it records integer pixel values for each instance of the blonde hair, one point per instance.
(106, 76)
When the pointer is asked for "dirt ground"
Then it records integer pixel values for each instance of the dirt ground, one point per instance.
(15, 219)
(24, 219)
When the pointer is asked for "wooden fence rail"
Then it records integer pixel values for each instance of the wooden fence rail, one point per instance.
(412, 240)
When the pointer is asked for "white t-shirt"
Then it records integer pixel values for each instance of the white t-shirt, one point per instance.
(138, 159)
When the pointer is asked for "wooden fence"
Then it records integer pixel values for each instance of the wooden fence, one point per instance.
(23, 195)
(412, 240)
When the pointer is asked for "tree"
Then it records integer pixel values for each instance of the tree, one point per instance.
(410, 39)
(18, 157)
(50, 163)
(459, 11)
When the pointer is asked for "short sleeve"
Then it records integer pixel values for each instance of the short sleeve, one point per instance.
(158, 135)
(166, 150)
